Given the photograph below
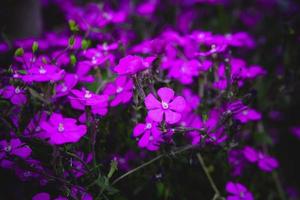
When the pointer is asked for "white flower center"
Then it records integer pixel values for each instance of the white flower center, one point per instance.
(42, 70)
(242, 194)
(119, 89)
(245, 112)
(107, 16)
(17, 90)
(104, 46)
(165, 105)
(148, 126)
(94, 60)
(7, 148)
(64, 88)
(61, 127)
(38, 128)
(27, 173)
(260, 156)
(151, 138)
(87, 95)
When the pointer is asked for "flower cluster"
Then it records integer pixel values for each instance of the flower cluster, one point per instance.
(105, 94)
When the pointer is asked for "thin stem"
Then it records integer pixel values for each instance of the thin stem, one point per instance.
(185, 148)
(210, 179)
(280, 190)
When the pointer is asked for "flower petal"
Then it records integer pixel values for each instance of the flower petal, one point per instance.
(151, 102)
(138, 129)
(156, 115)
(165, 94)
(172, 117)
(178, 104)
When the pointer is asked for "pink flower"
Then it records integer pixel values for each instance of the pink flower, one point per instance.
(169, 108)
(62, 130)
(121, 89)
(149, 133)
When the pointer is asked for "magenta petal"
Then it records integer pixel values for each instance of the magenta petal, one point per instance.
(156, 115)
(250, 154)
(231, 188)
(41, 196)
(151, 102)
(110, 89)
(22, 152)
(165, 94)
(172, 117)
(143, 142)
(233, 198)
(138, 129)
(268, 164)
(178, 104)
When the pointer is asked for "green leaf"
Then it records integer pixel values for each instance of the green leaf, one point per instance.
(85, 44)
(71, 41)
(35, 46)
(19, 52)
(73, 59)
(73, 26)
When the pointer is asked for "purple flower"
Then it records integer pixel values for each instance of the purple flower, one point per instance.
(264, 162)
(184, 71)
(78, 169)
(296, 131)
(191, 120)
(84, 98)
(43, 73)
(192, 100)
(121, 89)
(82, 71)
(41, 196)
(62, 130)
(238, 192)
(242, 112)
(14, 147)
(149, 133)
(237, 162)
(66, 85)
(169, 108)
(130, 65)
(16, 95)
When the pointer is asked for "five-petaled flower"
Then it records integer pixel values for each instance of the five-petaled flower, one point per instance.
(62, 130)
(169, 108)
(149, 133)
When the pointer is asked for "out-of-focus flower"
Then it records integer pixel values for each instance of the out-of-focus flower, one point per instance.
(121, 89)
(238, 191)
(16, 95)
(264, 162)
(130, 64)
